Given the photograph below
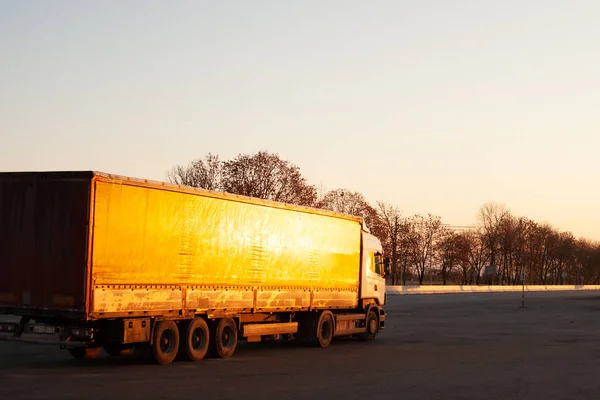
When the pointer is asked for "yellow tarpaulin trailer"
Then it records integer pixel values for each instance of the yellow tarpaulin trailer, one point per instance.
(198, 242)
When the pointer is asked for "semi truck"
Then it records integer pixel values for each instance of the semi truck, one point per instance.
(92, 261)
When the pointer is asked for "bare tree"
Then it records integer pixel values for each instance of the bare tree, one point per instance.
(521, 233)
(561, 257)
(205, 174)
(353, 203)
(465, 265)
(392, 222)
(267, 176)
(422, 239)
(343, 201)
(405, 246)
(587, 262)
(346, 202)
(452, 253)
(491, 215)
(538, 253)
(263, 175)
(477, 253)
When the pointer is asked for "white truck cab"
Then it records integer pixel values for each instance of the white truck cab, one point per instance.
(374, 269)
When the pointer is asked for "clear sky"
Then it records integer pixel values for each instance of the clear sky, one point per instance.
(436, 106)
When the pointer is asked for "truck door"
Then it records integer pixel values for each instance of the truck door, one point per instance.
(373, 282)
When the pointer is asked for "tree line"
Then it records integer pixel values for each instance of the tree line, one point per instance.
(501, 248)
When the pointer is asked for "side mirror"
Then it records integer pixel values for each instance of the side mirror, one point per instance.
(386, 265)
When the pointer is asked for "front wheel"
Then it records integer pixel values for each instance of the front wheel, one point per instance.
(165, 343)
(372, 326)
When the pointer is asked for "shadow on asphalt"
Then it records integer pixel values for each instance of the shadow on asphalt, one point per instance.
(104, 360)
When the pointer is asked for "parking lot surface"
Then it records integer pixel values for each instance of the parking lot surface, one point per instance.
(466, 346)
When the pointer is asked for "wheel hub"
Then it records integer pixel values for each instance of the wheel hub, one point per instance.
(197, 339)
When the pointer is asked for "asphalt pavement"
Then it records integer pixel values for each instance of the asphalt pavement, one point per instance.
(465, 346)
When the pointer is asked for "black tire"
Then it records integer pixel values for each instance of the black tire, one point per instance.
(324, 329)
(223, 338)
(195, 339)
(84, 353)
(372, 326)
(165, 343)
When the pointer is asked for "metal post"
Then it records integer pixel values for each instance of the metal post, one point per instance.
(523, 286)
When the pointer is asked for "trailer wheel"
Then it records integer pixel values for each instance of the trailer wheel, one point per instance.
(324, 329)
(223, 338)
(196, 340)
(165, 342)
(372, 326)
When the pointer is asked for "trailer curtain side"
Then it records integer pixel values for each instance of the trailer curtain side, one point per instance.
(156, 248)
